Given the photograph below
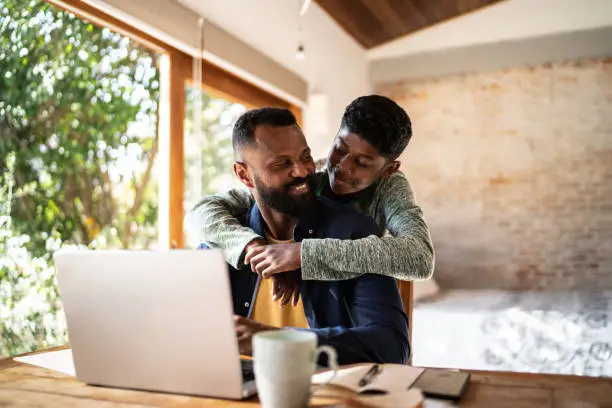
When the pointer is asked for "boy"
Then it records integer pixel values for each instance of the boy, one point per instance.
(362, 172)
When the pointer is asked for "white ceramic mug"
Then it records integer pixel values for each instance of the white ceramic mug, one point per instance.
(284, 362)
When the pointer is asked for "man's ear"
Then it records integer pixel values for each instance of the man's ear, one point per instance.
(390, 168)
(241, 171)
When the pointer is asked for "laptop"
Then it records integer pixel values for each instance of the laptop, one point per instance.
(153, 320)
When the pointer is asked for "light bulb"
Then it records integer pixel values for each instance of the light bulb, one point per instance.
(300, 54)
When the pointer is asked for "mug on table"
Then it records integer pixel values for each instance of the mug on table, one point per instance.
(284, 362)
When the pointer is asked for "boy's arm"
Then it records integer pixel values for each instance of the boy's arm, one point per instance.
(407, 255)
(218, 220)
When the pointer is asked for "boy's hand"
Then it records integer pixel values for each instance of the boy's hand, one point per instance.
(268, 260)
(256, 243)
(276, 261)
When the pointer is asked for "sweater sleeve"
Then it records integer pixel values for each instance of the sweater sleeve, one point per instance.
(218, 221)
(407, 254)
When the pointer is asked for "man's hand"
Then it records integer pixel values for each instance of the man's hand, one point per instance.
(286, 288)
(268, 260)
(245, 329)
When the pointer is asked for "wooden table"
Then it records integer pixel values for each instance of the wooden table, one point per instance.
(28, 386)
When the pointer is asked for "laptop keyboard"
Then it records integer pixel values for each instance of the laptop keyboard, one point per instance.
(247, 370)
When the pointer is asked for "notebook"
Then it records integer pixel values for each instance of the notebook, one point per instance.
(393, 377)
(389, 389)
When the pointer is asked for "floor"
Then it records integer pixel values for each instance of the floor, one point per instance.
(560, 333)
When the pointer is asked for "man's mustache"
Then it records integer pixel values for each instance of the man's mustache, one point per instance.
(298, 181)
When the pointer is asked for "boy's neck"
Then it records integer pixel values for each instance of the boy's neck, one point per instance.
(327, 192)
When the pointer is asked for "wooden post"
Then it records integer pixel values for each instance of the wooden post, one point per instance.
(297, 112)
(179, 64)
(171, 157)
(406, 290)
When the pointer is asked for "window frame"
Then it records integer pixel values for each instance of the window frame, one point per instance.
(178, 74)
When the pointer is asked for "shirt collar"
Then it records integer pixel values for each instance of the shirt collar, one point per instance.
(305, 228)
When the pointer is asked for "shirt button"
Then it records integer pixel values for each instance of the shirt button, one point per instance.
(246, 304)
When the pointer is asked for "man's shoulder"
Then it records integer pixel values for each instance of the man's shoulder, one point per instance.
(338, 217)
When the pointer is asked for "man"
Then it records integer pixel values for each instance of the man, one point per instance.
(361, 173)
(361, 318)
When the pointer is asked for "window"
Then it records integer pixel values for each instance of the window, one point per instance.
(209, 155)
(79, 142)
(92, 119)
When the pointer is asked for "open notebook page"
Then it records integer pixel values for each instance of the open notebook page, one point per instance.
(392, 378)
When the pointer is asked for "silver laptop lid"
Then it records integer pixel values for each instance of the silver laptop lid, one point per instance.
(154, 320)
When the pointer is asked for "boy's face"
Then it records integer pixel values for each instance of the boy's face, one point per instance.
(354, 164)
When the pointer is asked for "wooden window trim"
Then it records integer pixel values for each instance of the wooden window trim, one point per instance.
(105, 20)
(214, 79)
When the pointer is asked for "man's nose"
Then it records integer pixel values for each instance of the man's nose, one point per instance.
(299, 170)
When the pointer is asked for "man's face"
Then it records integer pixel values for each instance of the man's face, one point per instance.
(280, 169)
(354, 164)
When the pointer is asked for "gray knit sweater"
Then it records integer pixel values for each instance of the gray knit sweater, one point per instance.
(405, 253)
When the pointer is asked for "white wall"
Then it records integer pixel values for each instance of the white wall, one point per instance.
(177, 25)
(505, 21)
(338, 73)
(335, 68)
(577, 45)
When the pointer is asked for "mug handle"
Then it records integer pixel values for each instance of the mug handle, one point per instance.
(332, 360)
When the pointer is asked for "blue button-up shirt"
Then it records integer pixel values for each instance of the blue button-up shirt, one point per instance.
(362, 318)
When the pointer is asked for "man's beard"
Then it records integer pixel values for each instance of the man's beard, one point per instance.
(283, 201)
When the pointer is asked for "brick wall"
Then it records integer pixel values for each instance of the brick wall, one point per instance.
(514, 172)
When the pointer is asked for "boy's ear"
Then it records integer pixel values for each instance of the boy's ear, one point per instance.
(241, 171)
(390, 168)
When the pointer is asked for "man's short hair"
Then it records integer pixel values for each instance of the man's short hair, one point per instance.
(381, 122)
(244, 128)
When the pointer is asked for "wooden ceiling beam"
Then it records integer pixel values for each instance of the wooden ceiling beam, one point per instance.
(354, 17)
(374, 22)
(385, 13)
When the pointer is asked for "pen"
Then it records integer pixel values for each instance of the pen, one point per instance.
(369, 376)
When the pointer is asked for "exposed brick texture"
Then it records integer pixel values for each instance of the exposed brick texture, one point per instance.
(514, 172)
